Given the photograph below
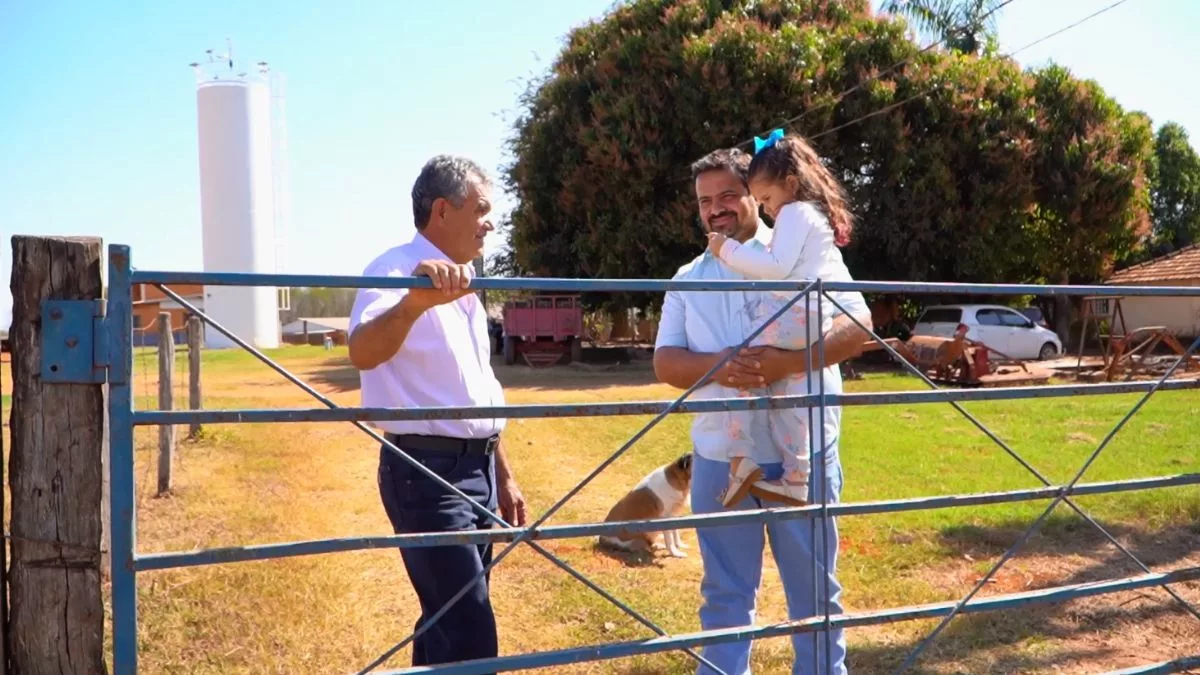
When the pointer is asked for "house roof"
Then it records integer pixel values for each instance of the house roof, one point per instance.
(1181, 265)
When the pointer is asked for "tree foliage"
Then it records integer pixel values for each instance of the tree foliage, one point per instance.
(959, 167)
(1175, 190)
(318, 302)
(960, 25)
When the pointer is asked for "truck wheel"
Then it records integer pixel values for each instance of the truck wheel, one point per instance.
(510, 350)
(576, 349)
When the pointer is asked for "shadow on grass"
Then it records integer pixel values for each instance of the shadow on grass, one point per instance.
(632, 559)
(338, 375)
(1066, 533)
(993, 642)
(1092, 634)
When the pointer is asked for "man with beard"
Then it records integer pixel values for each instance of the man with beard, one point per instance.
(697, 330)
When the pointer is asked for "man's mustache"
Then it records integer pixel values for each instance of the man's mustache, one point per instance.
(721, 215)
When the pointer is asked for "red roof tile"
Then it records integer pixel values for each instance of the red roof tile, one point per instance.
(1181, 265)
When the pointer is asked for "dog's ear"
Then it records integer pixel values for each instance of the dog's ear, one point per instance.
(685, 462)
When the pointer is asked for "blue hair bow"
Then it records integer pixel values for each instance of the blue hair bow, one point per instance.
(761, 144)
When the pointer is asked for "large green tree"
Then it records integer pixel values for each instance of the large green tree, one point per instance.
(959, 167)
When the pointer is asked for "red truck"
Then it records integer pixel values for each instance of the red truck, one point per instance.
(543, 329)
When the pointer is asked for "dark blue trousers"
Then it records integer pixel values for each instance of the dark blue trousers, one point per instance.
(414, 503)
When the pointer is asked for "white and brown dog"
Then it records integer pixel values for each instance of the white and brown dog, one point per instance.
(663, 493)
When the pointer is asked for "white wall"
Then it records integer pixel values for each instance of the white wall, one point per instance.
(1179, 315)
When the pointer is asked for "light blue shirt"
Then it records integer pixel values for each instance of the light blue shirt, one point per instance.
(709, 321)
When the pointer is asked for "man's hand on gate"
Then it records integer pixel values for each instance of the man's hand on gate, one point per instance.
(450, 282)
(512, 503)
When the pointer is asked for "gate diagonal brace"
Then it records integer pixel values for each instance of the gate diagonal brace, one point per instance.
(548, 555)
(1037, 524)
(1187, 606)
(74, 350)
(523, 537)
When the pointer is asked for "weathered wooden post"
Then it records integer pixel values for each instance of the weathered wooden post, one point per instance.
(195, 330)
(166, 432)
(3, 561)
(56, 618)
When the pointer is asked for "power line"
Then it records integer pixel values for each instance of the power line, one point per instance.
(899, 64)
(1067, 28)
(1011, 54)
(903, 62)
(892, 106)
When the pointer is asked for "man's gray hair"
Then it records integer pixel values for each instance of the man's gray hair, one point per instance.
(446, 177)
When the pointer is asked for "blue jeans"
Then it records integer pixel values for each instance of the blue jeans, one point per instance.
(414, 503)
(733, 557)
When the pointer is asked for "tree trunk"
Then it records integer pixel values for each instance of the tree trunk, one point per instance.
(1062, 314)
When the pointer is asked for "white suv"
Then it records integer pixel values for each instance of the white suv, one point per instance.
(1003, 329)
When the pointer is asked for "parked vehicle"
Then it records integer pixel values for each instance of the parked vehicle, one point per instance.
(1000, 328)
(543, 329)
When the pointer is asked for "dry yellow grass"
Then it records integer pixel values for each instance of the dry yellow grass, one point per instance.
(248, 484)
(245, 484)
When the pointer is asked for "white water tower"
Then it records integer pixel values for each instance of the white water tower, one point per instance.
(237, 198)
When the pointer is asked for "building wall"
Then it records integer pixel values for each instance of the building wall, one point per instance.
(314, 338)
(1181, 316)
(148, 302)
(145, 317)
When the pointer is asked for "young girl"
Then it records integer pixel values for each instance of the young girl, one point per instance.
(812, 220)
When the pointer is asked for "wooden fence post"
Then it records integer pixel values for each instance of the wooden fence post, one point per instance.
(195, 330)
(166, 371)
(56, 619)
(3, 557)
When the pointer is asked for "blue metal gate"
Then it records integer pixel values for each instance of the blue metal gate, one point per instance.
(110, 360)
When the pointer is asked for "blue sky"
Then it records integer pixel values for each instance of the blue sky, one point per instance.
(98, 105)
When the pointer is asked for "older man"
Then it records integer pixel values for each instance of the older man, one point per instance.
(695, 331)
(430, 347)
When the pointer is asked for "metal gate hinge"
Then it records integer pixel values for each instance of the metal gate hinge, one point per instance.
(74, 348)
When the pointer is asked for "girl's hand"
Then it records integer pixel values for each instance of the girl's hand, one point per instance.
(715, 241)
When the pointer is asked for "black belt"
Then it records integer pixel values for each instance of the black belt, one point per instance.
(473, 446)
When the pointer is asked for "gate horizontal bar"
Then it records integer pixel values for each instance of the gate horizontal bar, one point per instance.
(648, 285)
(616, 650)
(232, 554)
(1176, 666)
(155, 417)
